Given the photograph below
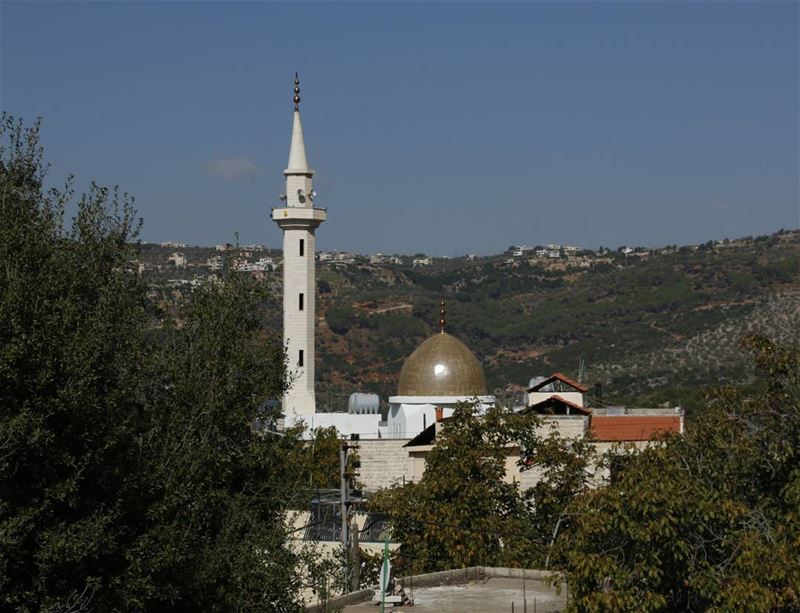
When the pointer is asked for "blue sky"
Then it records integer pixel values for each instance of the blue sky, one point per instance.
(433, 127)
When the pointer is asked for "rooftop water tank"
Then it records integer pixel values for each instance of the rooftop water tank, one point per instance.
(535, 381)
(363, 404)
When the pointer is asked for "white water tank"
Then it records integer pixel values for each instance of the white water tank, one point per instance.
(363, 404)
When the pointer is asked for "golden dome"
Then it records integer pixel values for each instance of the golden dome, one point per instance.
(442, 366)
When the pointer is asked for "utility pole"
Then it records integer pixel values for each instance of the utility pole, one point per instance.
(345, 503)
(350, 553)
(355, 557)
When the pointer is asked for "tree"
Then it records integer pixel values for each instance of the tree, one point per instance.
(318, 458)
(566, 468)
(70, 343)
(341, 318)
(458, 513)
(705, 521)
(465, 512)
(129, 475)
(217, 491)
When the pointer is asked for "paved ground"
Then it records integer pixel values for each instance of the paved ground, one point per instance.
(493, 595)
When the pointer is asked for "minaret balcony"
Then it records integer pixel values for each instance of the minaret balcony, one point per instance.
(301, 217)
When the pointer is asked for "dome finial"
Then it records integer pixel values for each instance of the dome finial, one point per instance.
(296, 92)
(441, 315)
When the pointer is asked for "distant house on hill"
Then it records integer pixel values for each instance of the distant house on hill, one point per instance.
(178, 259)
(215, 263)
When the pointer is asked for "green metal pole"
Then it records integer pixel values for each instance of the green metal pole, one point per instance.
(385, 572)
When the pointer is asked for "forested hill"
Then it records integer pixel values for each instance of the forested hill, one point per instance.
(651, 326)
(648, 326)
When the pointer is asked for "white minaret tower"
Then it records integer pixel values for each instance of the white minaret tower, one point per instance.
(299, 219)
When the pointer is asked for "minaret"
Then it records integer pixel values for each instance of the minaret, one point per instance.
(299, 219)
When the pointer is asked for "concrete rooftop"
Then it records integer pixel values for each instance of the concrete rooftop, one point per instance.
(494, 594)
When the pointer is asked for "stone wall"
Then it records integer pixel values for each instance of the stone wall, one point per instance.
(384, 462)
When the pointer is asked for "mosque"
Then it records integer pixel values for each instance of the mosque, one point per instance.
(441, 373)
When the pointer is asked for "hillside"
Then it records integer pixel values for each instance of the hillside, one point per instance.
(649, 326)
(639, 323)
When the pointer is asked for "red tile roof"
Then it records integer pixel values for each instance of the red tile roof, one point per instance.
(564, 379)
(632, 427)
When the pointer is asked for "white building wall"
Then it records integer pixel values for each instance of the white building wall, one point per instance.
(365, 425)
(537, 397)
(410, 415)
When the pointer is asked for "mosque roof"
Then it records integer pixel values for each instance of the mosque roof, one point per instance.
(442, 366)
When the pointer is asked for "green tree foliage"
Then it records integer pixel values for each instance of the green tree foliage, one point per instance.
(456, 514)
(465, 511)
(341, 318)
(217, 491)
(70, 322)
(388, 326)
(318, 458)
(565, 467)
(706, 521)
(129, 476)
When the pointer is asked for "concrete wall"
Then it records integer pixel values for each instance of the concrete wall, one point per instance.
(568, 426)
(476, 573)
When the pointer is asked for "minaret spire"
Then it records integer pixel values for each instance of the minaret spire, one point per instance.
(298, 164)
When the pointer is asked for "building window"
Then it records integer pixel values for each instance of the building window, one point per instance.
(300, 302)
(302, 247)
(300, 358)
